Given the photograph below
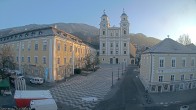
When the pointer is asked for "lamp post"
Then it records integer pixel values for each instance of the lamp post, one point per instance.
(112, 79)
(118, 73)
(122, 68)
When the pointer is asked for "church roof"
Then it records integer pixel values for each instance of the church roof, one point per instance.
(170, 46)
(124, 14)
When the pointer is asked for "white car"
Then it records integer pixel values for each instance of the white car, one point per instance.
(37, 80)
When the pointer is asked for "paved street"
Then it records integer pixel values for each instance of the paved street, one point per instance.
(72, 93)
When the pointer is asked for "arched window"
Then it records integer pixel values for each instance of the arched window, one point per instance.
(125, 32)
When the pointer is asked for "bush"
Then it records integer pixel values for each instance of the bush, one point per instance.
(77, 71)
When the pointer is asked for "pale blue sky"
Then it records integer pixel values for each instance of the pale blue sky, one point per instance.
(156, 18)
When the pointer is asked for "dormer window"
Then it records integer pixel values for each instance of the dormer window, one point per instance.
(26, 34)
(103, 19)
(124, 19)
(11, 37)
(20, 35)
(32, 33)
(15, 36)
(40, 32)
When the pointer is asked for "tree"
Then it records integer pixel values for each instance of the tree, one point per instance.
(90, 61)
(6, 57)
(184, 39)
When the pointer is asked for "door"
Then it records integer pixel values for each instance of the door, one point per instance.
(111, 60)
(159, 88)
(116, 60)
(171, 87)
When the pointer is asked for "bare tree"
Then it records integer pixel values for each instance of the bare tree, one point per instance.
(184, 39)
(90, 61)
(6, 57)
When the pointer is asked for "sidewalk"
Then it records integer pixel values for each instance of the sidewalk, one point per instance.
(173, 97)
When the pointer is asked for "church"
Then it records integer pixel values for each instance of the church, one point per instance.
(115, 46)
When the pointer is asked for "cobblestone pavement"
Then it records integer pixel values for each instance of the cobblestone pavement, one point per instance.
(95, 85)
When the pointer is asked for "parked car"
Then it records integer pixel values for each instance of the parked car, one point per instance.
(37, 80)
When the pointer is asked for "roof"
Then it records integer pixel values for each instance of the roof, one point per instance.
(192, 47)
(169, 46)
(4, 83)
(124, 14)
(32, 94)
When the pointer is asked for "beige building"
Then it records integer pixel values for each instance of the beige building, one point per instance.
(168, 66)
(115, 42)
(47, 52)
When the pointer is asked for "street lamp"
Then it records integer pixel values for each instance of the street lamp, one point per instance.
(118, 73)
(122, 68)
(112, 78)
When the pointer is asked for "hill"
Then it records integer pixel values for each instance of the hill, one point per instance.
(89, 34)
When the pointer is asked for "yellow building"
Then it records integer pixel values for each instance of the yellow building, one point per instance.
(168, 66)
(47, 52)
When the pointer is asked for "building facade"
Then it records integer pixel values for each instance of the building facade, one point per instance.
(168, 66)
(47, 52)
(114, 41)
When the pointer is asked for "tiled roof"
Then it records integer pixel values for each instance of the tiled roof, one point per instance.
(169, 46)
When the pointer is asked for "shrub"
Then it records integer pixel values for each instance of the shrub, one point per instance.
(77, 71)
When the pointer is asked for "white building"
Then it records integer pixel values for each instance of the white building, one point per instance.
(114, 41)
(168, 66)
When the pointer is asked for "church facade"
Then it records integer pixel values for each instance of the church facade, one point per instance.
(114, 41)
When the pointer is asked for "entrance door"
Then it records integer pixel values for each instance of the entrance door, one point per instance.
(190, 85)
(116, 60)
(159, 88)
(171, 88)
(111, 60)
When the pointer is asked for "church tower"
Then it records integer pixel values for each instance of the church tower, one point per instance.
(114, 41)
(124, 24)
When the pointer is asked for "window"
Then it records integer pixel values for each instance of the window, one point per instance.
(160, 78)
(116, 52)
(103, 32)
(17, 59)
(58, 60)
(65, 61)
(153, 88)
(36, 45)
(111, 44)
(70, 48)
(103, 59)
(44, 60)
(40, 32)
(173, 63)
(125, 44)
(182, 77)
(35, 59)
(103, 52)
(65, 47)
(44, 45)
(116, 44)
(22, 59)
(183, 62)
(125, 52)
(22, 46)
(111, 52)
(116, 34)
(103, 44)
(172, 77)
(76, 49)
(161, 62)
(111, 34)
(191, 76)
(29, 46)
(29, 59)
(192, 62)
(70, 61)
(125, 32)
(26, 34)
(58, 46)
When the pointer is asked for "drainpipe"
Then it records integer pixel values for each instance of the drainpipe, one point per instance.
(73, 58)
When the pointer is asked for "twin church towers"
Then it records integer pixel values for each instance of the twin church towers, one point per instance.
(114, 41)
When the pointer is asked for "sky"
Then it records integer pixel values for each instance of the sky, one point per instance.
(154, 18)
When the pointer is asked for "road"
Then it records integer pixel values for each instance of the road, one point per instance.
(128, 97)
